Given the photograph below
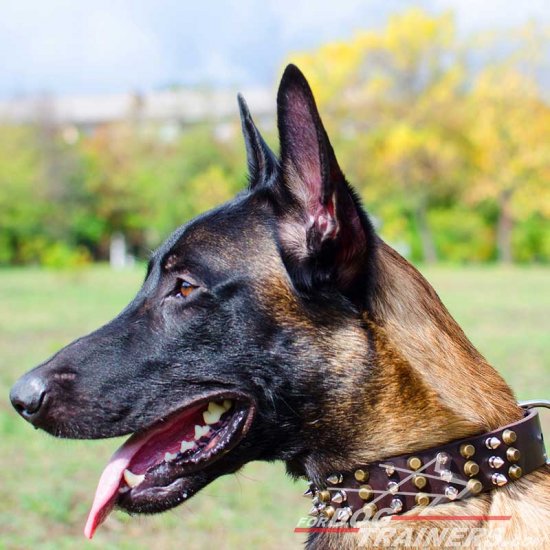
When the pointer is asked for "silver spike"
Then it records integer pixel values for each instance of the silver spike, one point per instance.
(492, 442)
(344, 514)
(396, 505)
(496, 462)
(499, 479)
(451, 493)
(335, 479)
(339, 497)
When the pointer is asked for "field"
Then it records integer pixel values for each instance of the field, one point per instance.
(47, 485)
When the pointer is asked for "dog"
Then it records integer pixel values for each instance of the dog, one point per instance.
(280, 326)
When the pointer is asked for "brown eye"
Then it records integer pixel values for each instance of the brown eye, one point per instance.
(186, 288)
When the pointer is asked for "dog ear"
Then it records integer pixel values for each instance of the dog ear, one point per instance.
(260, 159)
(324, 232)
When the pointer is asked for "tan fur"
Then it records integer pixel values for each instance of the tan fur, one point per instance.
(430, 386)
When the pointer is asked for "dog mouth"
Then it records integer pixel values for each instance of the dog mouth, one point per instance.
(166, 463)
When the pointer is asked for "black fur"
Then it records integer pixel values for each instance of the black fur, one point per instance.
(164, 351)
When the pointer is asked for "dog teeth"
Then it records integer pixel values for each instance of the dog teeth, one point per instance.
(213, 413)
(227, 404)
(200, 431)
(131, 479)
(170, 456)
(186, 446)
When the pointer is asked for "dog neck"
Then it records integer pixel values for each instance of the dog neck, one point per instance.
(419, 328)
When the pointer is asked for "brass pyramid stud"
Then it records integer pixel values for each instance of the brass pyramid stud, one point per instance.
(414, 463)
(419, 481)
(474, 486)
(471, 468)
(361, 475)
(323, 495)
(467, 450)
(328, 512)
(509, 436)
(512, 454)
(369, 510)
(365, 492)
(515, 472)
(422, 499)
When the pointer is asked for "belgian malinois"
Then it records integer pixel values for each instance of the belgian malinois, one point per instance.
(279, 326)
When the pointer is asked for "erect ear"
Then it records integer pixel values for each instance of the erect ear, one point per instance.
(261, 160)
(325, 235)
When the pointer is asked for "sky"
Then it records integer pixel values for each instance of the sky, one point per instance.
(73, 47)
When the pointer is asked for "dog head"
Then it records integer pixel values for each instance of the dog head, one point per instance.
(248, 340)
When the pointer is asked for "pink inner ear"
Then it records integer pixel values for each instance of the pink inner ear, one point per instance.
(303, 147)
(324, 221)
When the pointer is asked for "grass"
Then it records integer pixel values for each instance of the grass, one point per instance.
(47, 484)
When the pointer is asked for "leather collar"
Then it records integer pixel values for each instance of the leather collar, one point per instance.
(454, 471)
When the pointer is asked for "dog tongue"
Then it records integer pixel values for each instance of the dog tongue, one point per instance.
(109, 482)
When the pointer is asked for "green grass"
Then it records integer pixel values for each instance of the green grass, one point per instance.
(47, 485)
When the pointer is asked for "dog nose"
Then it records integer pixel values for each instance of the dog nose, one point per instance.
(27, 396)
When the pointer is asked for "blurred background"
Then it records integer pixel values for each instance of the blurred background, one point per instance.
(118, 122)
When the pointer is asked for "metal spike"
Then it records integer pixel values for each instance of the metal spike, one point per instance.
(344, 514)
(393, 487)
(446, 475)
(314, 511)
(390, 469)
(396, 505)
(335, 479)
(451, 493)
(496, 462)
(499, 479)
(492, 443)
(442, 458)
(339, 497)
(308, 493)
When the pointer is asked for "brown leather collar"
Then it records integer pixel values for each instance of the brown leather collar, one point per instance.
(454, 471)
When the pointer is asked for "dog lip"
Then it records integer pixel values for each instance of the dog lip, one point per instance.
(107, 493)
(168, 479)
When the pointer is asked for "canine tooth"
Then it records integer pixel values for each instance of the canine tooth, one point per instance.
(213, 413)
(133, 480)
(200, 431)
(170, 456)
(227, 404)
(186, 446)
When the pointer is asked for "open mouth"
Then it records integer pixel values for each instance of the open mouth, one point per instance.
(157, 463)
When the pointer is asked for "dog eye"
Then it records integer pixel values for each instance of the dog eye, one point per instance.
(186, 288)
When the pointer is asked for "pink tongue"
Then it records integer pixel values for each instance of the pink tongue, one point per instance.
(109, 482)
